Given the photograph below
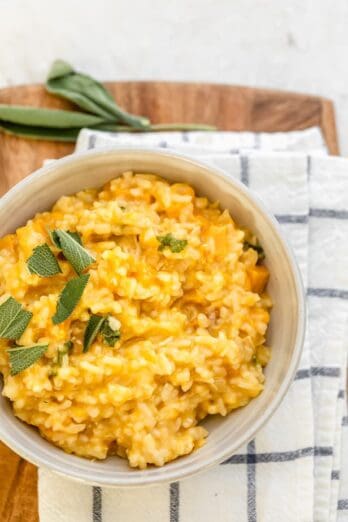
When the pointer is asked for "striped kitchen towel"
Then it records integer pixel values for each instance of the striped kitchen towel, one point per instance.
(293, 470)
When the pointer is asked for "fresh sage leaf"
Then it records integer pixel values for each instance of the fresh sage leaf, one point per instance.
(69, 298)
(88, 94)
(42, 262)
(74, 252)
(63, 81)
(175, 245)
(55, 238)
(93, 327)
(76, 236)
(110, 333)
(13, 319)
(22, 357)
(51, 118)
(40, 133)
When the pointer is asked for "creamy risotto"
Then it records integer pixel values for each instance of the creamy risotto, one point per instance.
(167, 326)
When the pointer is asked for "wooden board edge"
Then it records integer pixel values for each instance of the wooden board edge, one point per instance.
(328, 126)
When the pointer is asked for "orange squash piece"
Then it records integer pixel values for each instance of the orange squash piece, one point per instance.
(258, 276)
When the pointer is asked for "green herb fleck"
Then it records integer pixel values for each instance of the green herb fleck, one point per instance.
(72, 249)
(258, 248)
(53, 371)
(69, 298)
(22, 357)
(254, 359)
(175, 245)
(110, 332)
(63, 352)
(93, 327)
(42, 262)
(13, 319)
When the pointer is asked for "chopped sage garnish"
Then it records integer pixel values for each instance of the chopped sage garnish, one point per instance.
(72, 249)
(42, 262)
(55, 238)
(63, 352)
(69, 298)
(110, 331)
(258, 248)
(106, 325)
(22, 357)
(175, 245)
(13, 319)
(94, 325)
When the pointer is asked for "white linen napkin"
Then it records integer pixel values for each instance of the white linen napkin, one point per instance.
(291, 471)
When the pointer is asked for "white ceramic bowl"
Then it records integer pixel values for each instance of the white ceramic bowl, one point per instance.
(92, 169)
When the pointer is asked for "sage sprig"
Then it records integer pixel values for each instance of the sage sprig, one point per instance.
(70, 296)
(13, 319)
(22, 357)
(101, 112)
(42, 262)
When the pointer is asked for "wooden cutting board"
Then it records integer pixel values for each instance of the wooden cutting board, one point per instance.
(227, 107)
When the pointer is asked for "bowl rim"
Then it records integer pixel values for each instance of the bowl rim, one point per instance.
(171, 475)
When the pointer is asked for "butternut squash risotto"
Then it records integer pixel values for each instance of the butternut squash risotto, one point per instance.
(128, 314)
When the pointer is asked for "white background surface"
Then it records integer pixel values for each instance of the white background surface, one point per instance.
(290, 44)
